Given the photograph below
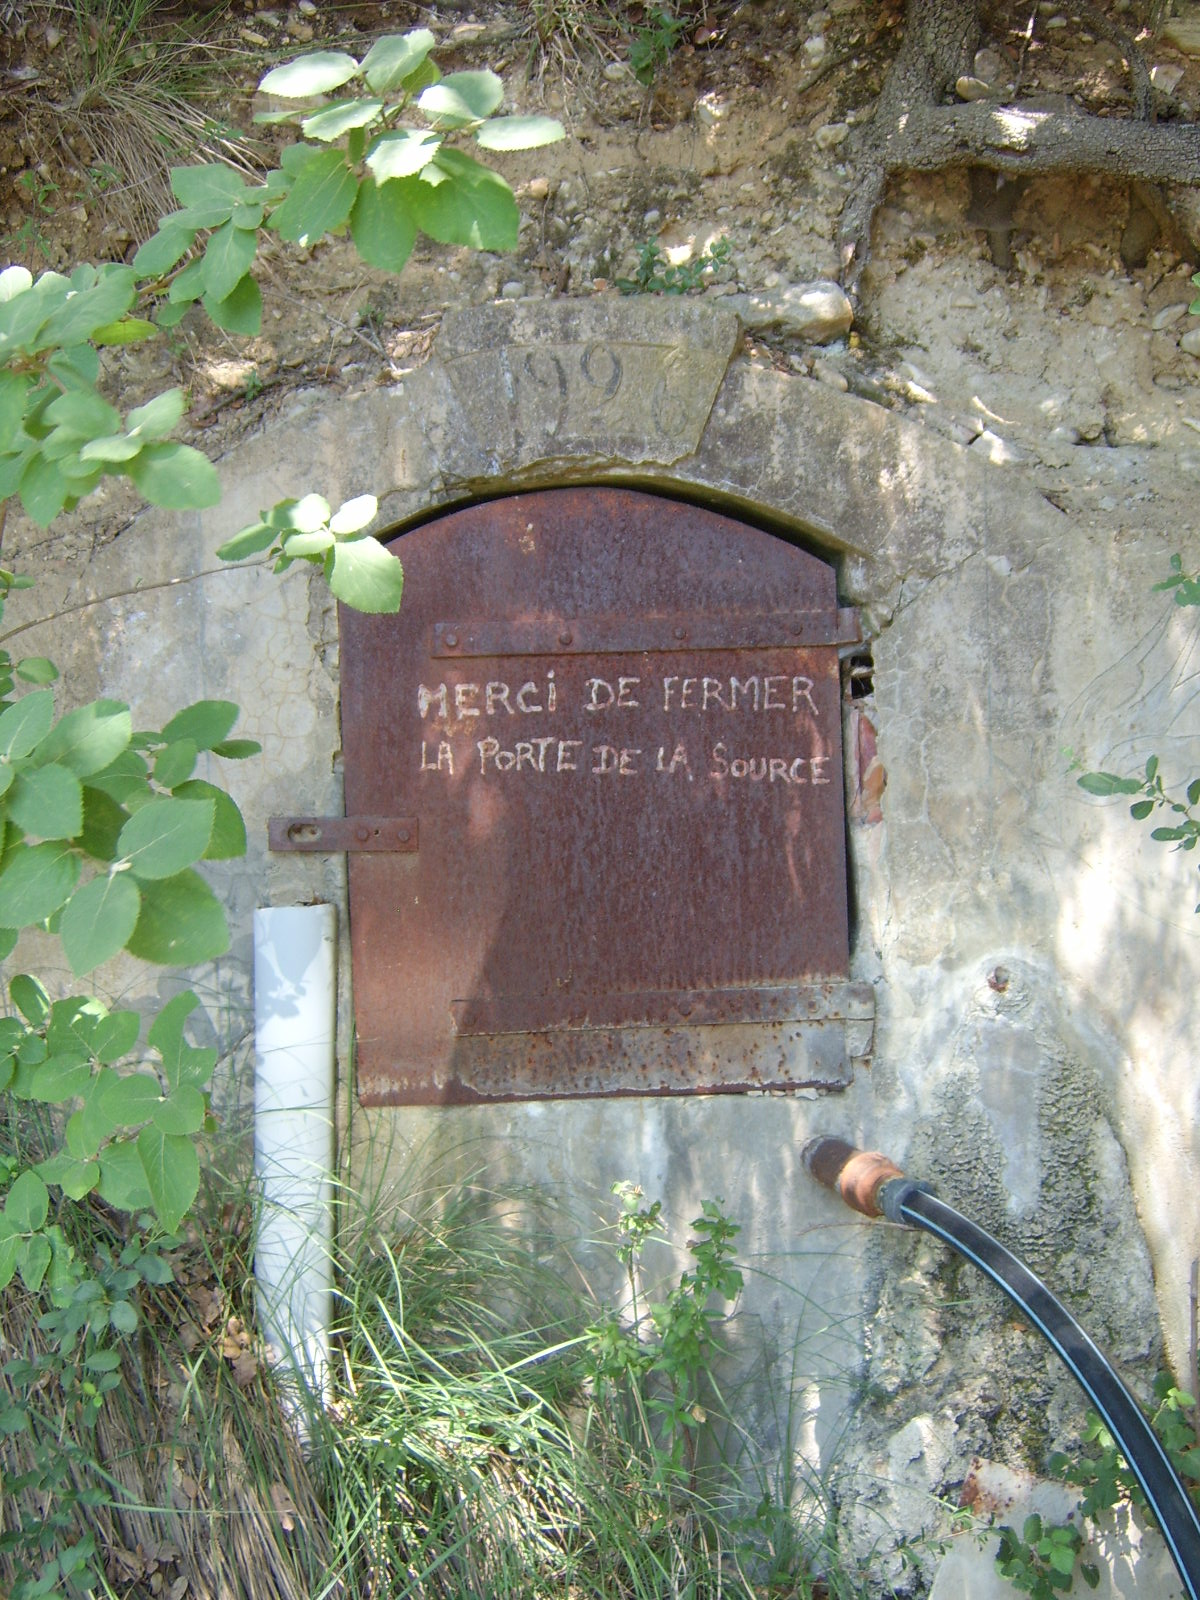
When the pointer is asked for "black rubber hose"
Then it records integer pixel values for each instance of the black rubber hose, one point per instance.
(903, 1200)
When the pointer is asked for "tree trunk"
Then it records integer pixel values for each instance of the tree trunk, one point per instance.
(913, 131)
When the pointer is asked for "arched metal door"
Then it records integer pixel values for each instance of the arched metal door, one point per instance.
(609, 725)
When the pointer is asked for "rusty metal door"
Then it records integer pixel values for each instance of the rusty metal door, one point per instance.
(594, 783)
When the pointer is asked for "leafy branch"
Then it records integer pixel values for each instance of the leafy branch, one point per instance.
(102, 826)
(1182, 829)
(357, 167)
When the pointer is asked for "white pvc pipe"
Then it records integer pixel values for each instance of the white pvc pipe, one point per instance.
(294, 1019)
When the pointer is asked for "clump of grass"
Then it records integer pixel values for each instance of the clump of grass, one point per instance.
(488, 1427)
(131, 97)
(568, 38)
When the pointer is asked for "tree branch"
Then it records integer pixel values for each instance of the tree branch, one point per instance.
(912, 132)
(1029, 139)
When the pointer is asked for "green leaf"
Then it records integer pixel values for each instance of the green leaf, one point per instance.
(237, 749)
(116, 448)
(103, 820)
(89, 738)
(309, 514)
(182, 1112)
(86, 1130)
(166, 1032)
(228, 839)
(383, 224)
(164, 837)
(471, 205)
(394, 58)
(17, 280)
(123, 1178)
(1062, 1558)
(365, 576)
(47, 802)
(115, 1035)
(169, 315)
(159, 416)
(33, 1257)
(308, 544)
(36, 880)
(74, 1178)
(332, 121)
(291, 159)
(61, 1078)
(519, 133)
(28, 1203)
(207, 186)
(462, 97)
(1106, 783)
(172, 1170)
(1141, 810)
(98, 296)
(352, 516)
(228, 256)
(108, 1360)
(321, 198)
(14, 389)
(175, 764)
(124, 1318)
(402, 153)
(37, 669)
(164, 249)
(182, 922)
(10, 1243)
(129, 330)
(241, 309)
(155, 1269)
(176, 476)
(76, 368)
(258, 536)
(318, 73)
(81, 414)
(205, 723)
(128, 1099)
(25, 723)
(43, 490)
(187, 285)
(98, 920)
(30, 999)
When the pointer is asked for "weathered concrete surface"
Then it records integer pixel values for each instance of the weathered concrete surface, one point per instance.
(1032, 955)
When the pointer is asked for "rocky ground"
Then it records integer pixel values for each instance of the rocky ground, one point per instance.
(1010, 336)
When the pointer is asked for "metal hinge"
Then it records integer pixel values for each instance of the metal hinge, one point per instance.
(334, 835)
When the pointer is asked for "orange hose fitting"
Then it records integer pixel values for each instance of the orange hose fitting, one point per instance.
(856, 1175)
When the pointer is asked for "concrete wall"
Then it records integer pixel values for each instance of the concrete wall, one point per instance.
(1032, 956)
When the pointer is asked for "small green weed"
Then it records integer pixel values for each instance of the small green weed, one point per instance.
(655, 275)
(1043, 1558)
(655, 42)
(30, 238)
(1040, 1561)
(656, 1362)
